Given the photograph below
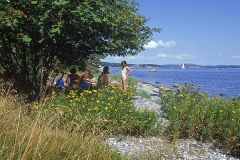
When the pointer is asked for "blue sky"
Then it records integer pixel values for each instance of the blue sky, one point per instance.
(205, 32)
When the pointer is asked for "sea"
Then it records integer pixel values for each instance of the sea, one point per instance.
(222, 82)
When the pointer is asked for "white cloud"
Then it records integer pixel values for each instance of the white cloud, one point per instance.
(117, 58)
(154, 44)
(220, 54)
(167, 44)
(132, 57)
(236, 57)
(163, 55)
(180, 56)
(184, 56)
(151, 44)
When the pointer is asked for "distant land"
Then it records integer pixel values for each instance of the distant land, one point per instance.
(187, 65)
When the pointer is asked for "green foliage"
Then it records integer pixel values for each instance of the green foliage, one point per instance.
(193, 114)
(25, 138)
(108, 109)
(37, 34)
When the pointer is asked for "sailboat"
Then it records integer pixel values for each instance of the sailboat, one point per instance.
(183, 66)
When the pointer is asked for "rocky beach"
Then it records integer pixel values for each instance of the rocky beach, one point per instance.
(159, 147)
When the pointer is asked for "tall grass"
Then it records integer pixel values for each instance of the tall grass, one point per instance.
(193, 114)
(22, 137)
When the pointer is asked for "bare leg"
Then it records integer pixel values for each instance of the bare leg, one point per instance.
(123, 83)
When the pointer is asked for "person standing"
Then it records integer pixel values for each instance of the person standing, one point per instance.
(124, 74)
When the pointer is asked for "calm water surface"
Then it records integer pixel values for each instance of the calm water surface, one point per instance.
(215, 82)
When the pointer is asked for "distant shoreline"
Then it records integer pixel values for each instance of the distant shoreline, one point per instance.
(187, 65)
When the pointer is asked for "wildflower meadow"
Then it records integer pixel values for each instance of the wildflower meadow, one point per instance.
(193, 114)
(107, 109)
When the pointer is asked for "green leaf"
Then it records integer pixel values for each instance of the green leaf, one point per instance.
(34, 2)
(41, 40)
(27, 39)
(54, 30)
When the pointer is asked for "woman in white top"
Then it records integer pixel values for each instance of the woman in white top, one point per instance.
(124, 74)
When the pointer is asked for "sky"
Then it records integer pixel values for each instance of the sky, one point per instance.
(204, 32)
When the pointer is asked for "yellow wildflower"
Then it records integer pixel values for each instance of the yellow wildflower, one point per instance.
(179, 89)
(94, 91)
(160, 88)
(124, 122)
(98, 101)
(89, 109)
(71, 101)
(53, 92)
(233, 120)
(149, 119)
(106, 108)
(74, 104)
(233, 112)
(63, 106)
(116, 110)
(83, 106)
(174, 107)
(105, 120)
(221, 111)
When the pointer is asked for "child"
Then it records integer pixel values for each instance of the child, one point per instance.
(124, 74)
(73, 79)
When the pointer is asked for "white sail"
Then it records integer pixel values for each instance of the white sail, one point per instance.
(183, 66)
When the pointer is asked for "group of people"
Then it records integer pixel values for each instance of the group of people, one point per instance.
(84, 81)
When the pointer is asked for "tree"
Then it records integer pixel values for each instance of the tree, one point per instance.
(37, 34)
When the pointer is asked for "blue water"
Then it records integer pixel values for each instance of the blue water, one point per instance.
(215, 82)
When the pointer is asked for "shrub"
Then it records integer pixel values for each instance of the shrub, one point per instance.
(193, 114)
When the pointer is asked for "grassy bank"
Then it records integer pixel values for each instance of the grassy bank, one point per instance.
(71, 124)
(22, 137)
(107, 110)
(196, 115)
